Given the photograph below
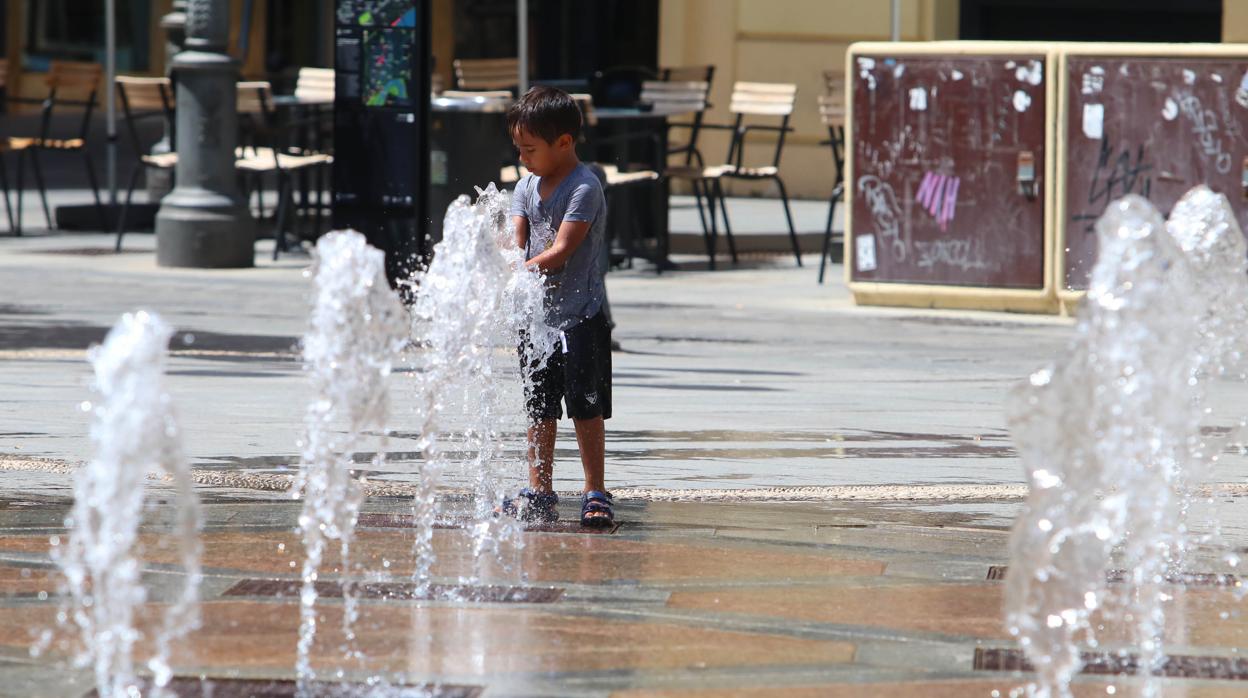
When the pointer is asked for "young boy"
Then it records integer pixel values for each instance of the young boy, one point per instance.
(560, 216)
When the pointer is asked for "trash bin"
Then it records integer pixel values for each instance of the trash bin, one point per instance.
(468, 146)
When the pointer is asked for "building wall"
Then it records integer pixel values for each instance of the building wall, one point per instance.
(791, 41)
(1234, 21)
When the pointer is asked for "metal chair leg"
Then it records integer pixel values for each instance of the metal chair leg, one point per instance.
(279, 233)
(259, 183)
(4, 184)
(43, 190)
(21, 171)
(784, 196)
(697, 198)
(95, 190)
(710, 235)
(125, 207)
(319, 215)
(723, 207)
(827, 236)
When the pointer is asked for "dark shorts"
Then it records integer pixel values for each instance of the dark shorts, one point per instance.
(579, 376)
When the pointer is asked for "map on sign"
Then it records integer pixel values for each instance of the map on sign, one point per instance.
(377, 13)
(388, 58)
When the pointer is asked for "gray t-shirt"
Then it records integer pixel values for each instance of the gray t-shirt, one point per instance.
(574, 293)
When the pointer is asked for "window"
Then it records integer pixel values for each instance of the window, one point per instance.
(74, 30)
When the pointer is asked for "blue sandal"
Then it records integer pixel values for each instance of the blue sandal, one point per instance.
(533, 507)
(596, 509)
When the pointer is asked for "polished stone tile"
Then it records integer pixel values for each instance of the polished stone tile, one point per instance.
(547, 557)
(459, 641)
(933, 689)
(1197, 617)
(20, 582)
(971, 610)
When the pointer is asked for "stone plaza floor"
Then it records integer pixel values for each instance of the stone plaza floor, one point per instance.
(815, 498)
(683, 600)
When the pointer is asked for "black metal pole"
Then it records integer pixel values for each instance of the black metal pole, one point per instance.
(203, 222)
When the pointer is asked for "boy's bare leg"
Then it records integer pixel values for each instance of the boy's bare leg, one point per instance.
(591, 439)
(542, 455)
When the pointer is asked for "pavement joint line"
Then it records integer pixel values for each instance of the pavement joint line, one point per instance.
(733, 677)
(768, 625)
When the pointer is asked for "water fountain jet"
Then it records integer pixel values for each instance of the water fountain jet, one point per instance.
(134, 434)
(1111, 437)
(356, 330)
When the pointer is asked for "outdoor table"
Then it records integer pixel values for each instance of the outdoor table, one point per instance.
(632, 126)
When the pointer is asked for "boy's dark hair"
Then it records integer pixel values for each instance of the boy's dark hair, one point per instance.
(545, 112)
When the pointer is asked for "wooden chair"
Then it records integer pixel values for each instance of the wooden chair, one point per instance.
(143, 98)
(315, 85)
(688, 77)
(683, 97)
(70, 84)
(759, 101)
(266, 154)
(832, 112)
(486, 73)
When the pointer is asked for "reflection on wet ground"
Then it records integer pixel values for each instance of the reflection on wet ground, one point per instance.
(685, 600)
(701, 386)
(10, 309)
(67, 335)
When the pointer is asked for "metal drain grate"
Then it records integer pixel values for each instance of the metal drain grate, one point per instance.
(400, 591)
(997, 573)
(1102, 664)
(409, 521)
(286, 688)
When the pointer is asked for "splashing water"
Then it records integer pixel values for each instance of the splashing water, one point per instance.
(1111, 437)
(134, 433)
(357, 329)
(475, 304)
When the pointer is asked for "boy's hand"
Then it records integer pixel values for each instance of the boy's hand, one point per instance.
(570, 236)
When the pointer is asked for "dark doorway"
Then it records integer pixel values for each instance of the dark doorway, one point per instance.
(568, 39)
(295, 35)
(1092, 20)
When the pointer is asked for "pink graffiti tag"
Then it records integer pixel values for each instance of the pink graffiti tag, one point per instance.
(938, 194)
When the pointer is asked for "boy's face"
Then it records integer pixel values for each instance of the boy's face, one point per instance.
(538, 156)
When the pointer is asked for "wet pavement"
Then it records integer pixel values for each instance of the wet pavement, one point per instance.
(749, 378)
(814, 497)
(683, 599)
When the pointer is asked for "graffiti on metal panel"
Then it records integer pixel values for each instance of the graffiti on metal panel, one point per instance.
(1205, 128)
(963, 253)
(882, 202)
(1119, 171)
(938, 194)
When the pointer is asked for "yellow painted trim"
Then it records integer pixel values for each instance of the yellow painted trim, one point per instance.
(813, 38)
(953, 297)
(1041, 300)
(1069, 297)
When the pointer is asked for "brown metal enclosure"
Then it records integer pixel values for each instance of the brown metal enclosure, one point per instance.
(948, 167)
(1148, 125)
